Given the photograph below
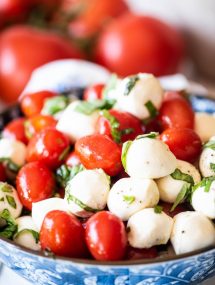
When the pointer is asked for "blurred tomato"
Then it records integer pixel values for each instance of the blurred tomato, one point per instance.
(133, 44)
(24, 48)
(15, 130)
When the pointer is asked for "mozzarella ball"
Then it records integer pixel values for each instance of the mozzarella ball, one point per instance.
(147, 228)
(24, 235)
(204, 202)
(130, 195)
(148, 158)
(169, 187)
(87, 192)
(13, 150)
(207, 159)
(192, 231)
(77, 124)
(41, 208)
(9, 200)
(204, 125)
(146, 88)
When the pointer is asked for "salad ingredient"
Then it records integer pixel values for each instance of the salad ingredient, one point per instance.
(207, 158)
(106, 236)
(140, 253)
(15, 130)
(192, 231)
(2, 173)
(72, 159)
(204, 125)
(94, 92)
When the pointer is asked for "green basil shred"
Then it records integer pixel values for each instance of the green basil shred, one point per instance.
(9, 230)
(54, 105)
(65, 173)
(158, 209)
(128, 199)
(132, 80)
(152, 135)
(88, 107)
(125, 148)
(80, 203)
(151, 108)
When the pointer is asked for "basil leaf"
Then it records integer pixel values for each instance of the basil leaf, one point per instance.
(158, 209)
(128, 199)
(179, 175)
(88, 107)
(111, 85)
(34, 234)
(127, 131)
(66, 173)
(206, 183)
(212, 166)
(114, 123)
(152, 135)
(10, 229)
(10, 164)
(132, 80)
(54, 105)
(64, 153)
(209, 144)
(11, 201)
(80, 204)
(6, 188)
(182, 195)
(151, 109)
(125, 148)
(2, 199)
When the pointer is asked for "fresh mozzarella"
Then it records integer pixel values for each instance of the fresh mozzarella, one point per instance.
(147, 228)
(41, 208)
(13, 150)
(204, 200)
(192, 231)
(9, 200)
(204, 125)
(169, 187)
(130, 195)
(146, 89)
(77, 124)
(87, 192)
(148, 158)
(27, 234)
(207, 159)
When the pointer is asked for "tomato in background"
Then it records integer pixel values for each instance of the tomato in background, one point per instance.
(22, 49)
(93, 92)
(16, 130)
(133, 44)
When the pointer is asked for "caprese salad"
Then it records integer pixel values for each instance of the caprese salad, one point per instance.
(121, 174)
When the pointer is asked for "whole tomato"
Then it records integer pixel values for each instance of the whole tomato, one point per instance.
(16, 130)
(22, 49)
(133, 44)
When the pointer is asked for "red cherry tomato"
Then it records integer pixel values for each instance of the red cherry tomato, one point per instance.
(2, 173)
(34, 182)
(49, 146)
(184, 143)
(129, 126)
(106, 236)
(93, 92)
(32, 104)
(38, 123)
(99, 151)
(16, 130)
(72, 159)
(135, 44)
(166, 207)
(176, 112)
(141, 253)
(24, 48)
(63, 234)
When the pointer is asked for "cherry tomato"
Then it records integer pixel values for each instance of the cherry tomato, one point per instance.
(32, 104)
(72, 159)
(38, 123)
(63, 234)
(34, 182)
(176, 112)
(120, 126)
(16, 130)
(184, 143)
(49, 146)
(141, 253)
(153, 126)
(24, 48)
(2, 173)
(99, 151)
(135, 44)
(166, 207)
(93, 92)
(106, 236)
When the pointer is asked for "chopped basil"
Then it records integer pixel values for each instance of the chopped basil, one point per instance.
(212, 166)
(80, 203)
(127, 131)
(151, 108)
(88, 107)
(10, 229)
(34, 234)
(125, 148)
(182, 195)
(10, 164)
(114, 123)
(6, 188)
(132, 80)
(66, 173)
(209, 144)
(54, 105)
(158, 209)
(179, 175)
(111, 85)
(206, 183)
(152, 135)
(64, 153)
(11, 201)
(129, 199)
(2, 199)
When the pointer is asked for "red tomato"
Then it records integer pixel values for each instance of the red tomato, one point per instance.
(184, 143)
(176, 112)
(106, 236)
(179, 209)
(129, 126)
(63, 234)
(169, 95)
(93, 92)
(49, 146)
(2, 173)
(34, 182)
(16, 130)
(141, 253)
(135, 44)
(38, 123)
(24, 48)
(72, 159)
(99, 151)
(32, 104)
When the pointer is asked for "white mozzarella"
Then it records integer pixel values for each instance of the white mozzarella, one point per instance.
(204, 125)
(13, 150)
(146, 89)
(148, 158)
(24, 235)
(203, 201)
(87, 192)
(76, 124)
(130, 195)
(192, 231)
(207, 159)
(147, 228)
(41, 208)
(9, 200)
(169, 187)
